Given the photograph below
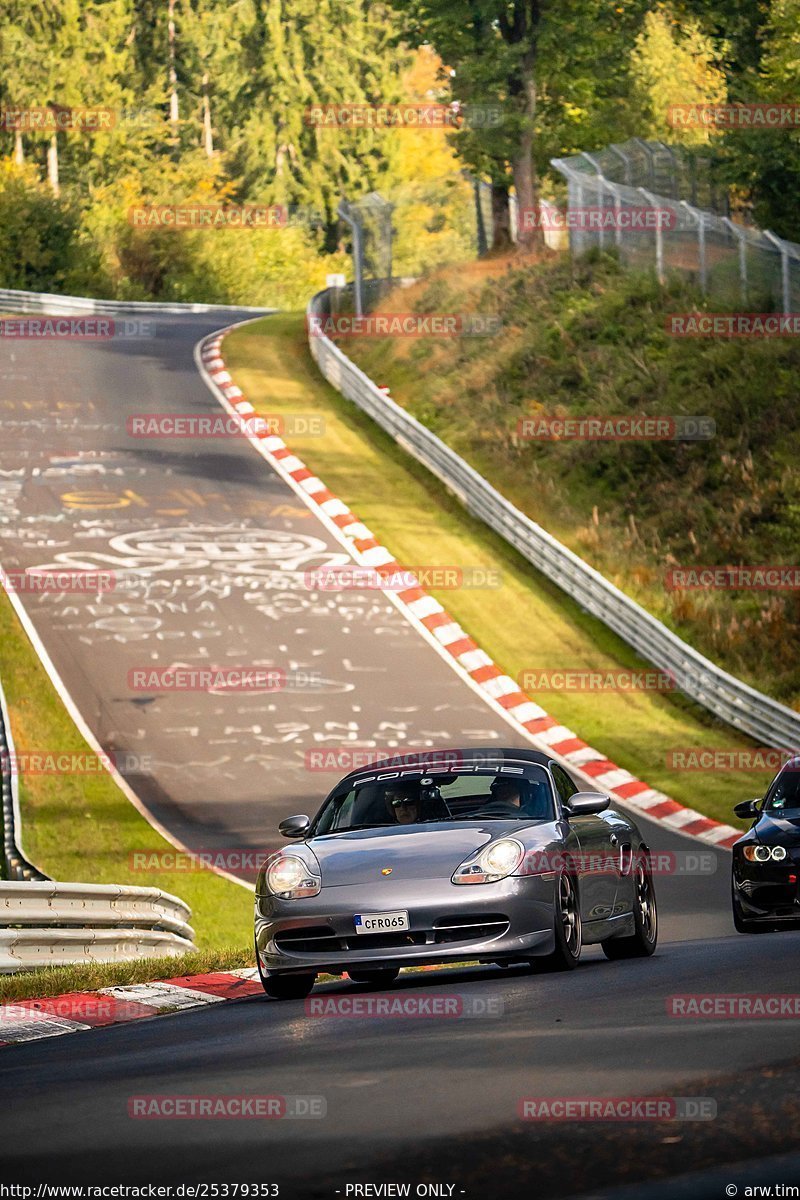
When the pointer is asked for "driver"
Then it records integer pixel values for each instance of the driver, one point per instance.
(402, 801)
(505, 794)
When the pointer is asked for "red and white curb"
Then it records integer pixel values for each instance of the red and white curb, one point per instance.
(32, 1020)
(500, 691)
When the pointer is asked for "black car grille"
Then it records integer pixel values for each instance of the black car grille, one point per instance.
(319, 939)
(384, 941)
(473, 927)
(772, 893)
(307, 941)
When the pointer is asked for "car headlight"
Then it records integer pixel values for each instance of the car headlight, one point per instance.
(290, 878)
(762, 854)
(495, 861)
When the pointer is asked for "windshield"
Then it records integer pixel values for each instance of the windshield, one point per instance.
(411, 798)
(784, 795)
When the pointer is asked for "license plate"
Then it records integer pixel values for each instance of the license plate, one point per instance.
(388, 922)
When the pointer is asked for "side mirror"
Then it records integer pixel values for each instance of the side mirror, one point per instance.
(586, 804)
(294, 827)
(748, 809)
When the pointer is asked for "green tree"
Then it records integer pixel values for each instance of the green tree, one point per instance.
(23, 68)
(538, 61)
(674, 64)
(766, 164)
(272, 63)
(434, 211)
(41, 243)
(75, 54)
(736, 26)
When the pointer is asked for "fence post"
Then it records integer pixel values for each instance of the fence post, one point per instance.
(353, 220)
(701, 247)
(699, 220)
(483, 244)
(612, 187)
(575, 232)
(693, 177)
(659, 236)
(390, 246)
(786, 287)
(594, 164)
(648, 150)
(740, 238)
(626, 162)
(674, 182)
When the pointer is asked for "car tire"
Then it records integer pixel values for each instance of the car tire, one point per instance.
(644, 939)
(382, 977)
(567, 927)
(285, 985)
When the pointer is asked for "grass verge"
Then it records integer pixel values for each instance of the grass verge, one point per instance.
(81, 828)
(89, 977)
(588, 338)
(528, 623)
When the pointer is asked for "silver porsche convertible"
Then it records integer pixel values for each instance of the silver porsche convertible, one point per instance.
(488, 855)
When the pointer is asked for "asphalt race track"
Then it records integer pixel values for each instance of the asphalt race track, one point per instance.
(220, 545)
(209, 549)
(422, 1099)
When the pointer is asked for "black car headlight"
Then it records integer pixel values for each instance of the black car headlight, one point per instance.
(496, 861)
(291, 878)
(761, 854)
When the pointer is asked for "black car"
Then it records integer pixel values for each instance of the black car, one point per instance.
(766, 861)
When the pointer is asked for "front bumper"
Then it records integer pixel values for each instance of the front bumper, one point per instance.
(768, 890)
(448, 923)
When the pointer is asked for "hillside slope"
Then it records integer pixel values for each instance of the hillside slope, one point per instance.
(585, 339)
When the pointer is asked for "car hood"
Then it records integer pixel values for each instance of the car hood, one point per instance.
(775, 828)
(416, 852)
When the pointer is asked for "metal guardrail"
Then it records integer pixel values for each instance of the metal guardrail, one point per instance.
(52, 924)
(17, 865)
(22, 302)
(722, 694)
(45, 923)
